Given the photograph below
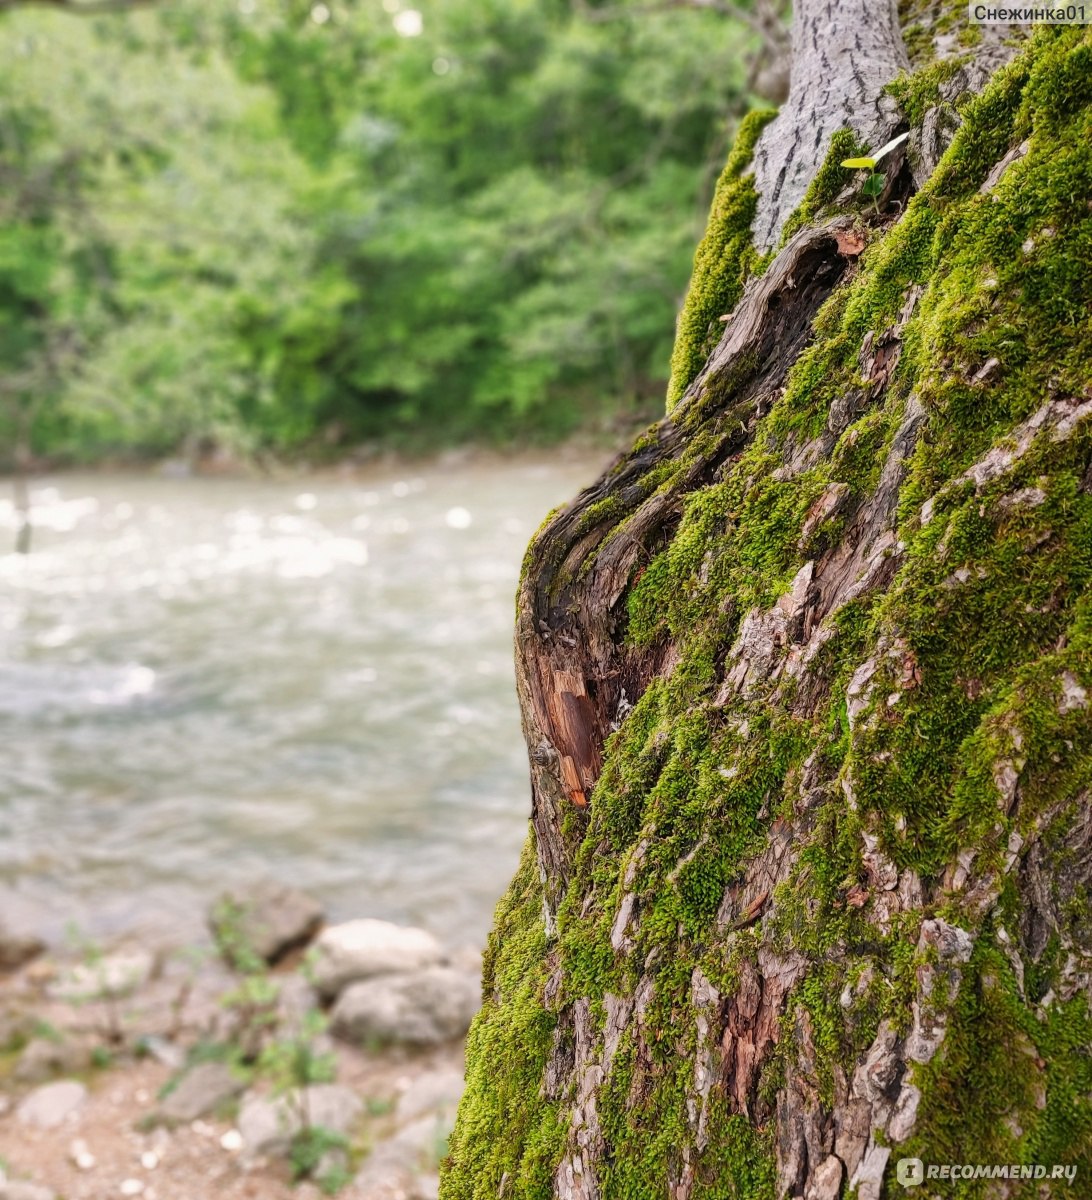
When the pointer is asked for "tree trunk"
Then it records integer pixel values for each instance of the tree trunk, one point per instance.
(804, 677)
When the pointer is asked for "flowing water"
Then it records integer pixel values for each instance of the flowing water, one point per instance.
(206, 681)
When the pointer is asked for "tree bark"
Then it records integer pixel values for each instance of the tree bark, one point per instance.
(804, 680)
(844, 53)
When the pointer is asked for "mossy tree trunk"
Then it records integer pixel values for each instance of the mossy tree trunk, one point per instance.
(805, 676)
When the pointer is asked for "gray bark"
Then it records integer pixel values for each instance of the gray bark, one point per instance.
(844, 52)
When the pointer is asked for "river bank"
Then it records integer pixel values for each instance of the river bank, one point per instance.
(278, 1056)
(594, 443)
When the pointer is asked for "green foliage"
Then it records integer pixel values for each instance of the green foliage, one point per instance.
(254, 227)
(293, 1060)
(229, 932)
(309, 1147)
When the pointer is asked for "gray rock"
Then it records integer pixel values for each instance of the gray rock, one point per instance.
(269, 918)
(164, 1051)
(52, 1104)
(44, 1058)
(17, 947)
(295, 999)
(268, 1126)
(365, 948)
(19, 1189)
(468, 959)
(385, 1178)
(20, 922)
(435, 1092)
(402, 1167)
(418, 1008)
(111, 975)
(202, 1090)
(424, 1141)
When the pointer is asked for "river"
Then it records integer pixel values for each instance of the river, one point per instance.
(205, 681)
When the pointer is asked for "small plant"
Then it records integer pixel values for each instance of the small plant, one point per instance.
(310, 1147)
(228, 924)
(254, 1000)
(332, 1180)
(294, 1063)
(97, 980)
(875, 181)
(253, 1005)
(46, 1031)
(194, 957)
(101, 1058)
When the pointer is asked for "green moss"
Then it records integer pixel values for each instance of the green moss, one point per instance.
(1020, 1084)
(919, 91)
(830, 179)
(988, 611)
(720, 261)
(506, 1054)
(923, 21)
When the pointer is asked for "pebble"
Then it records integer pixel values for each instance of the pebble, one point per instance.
(50, 1106)
(81, 1155)
(149, 1160)
(131, 1187)
(232, 1141)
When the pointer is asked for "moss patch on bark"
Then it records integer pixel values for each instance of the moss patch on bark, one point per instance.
(720, 262)
(940, 728)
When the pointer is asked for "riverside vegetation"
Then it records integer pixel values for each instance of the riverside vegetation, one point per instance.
(286, 228)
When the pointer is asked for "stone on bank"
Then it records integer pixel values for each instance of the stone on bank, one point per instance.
(365, 948)
(267, 1126)
(417, 1008)
(266, 919)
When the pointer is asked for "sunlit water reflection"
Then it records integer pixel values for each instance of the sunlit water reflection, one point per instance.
(207, 681)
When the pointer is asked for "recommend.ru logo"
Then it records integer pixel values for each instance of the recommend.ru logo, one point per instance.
(911, 1172)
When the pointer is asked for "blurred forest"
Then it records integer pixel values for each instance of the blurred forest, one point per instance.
(286, 229)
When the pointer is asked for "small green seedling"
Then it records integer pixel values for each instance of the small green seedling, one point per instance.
(874, 184)
(869, 161)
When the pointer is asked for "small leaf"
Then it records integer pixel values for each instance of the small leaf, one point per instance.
(897, 141)
(873, 185)
(868, 161)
